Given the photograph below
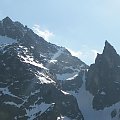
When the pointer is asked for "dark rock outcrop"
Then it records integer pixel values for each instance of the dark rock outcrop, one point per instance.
(103, 78)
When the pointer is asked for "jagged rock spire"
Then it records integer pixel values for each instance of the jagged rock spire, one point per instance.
(109, 49)
(7, 21)
(102, 76)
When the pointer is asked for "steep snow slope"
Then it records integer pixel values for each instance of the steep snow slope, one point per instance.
(84, 99)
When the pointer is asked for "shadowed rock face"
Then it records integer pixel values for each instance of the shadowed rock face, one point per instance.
(103, 78)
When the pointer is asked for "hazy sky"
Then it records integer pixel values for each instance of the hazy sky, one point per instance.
(80, 25)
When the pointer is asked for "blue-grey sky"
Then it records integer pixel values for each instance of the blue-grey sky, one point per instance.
(80, 25)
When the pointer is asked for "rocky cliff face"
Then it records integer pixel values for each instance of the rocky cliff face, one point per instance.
(103, 78)
(33, 74)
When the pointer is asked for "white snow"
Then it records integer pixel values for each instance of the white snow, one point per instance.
(53, 61)
(42, 55)
(66, 93)
(31, 61)
(117, 82)
(73, 77)
(84, 99)
(34, 109)
(29, 58)
(66, 76)
(44, 78)
(32, 47)
(63, 118)
(6, 91)
(103, 93)
(12, 103)
(6, 41)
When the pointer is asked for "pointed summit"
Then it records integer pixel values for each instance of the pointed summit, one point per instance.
(7, 17)
(7, 20)
(107, 43)
(103, 76)
(108, 48)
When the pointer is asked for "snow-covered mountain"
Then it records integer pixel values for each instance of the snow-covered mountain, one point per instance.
(43, 81)
(33, 75)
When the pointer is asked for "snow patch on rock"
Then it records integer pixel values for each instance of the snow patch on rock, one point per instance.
(66, 76)
(66, 93)
(4, 41)
(12, 103)
(44, 78)
(72, 78)
(34, 109)
(63, 118)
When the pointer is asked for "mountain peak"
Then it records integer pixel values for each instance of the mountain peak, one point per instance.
(40, 65)
(107, 44)
(7, 19)
(108, 48)
(102, 77)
